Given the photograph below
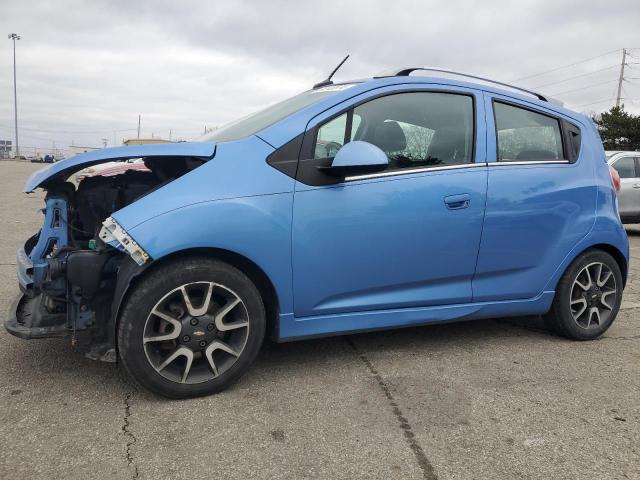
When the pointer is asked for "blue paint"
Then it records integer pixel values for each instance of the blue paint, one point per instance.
(485, 240)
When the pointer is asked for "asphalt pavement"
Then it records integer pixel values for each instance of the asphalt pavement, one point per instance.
(484, 399)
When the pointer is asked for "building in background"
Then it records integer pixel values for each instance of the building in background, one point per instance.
(77, 149)
(6, 148)
(144, 141)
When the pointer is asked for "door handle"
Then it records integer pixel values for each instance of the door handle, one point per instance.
(637, 185)
(457, 202)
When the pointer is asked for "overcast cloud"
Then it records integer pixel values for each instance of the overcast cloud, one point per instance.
(86, 69)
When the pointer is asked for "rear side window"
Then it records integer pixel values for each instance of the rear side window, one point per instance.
(625, 167)
(524, 135)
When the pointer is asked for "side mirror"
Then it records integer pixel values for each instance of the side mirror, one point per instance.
(357, 158)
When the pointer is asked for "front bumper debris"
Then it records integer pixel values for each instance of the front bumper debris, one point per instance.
(29, 319)
(116, 236)
(25, 271)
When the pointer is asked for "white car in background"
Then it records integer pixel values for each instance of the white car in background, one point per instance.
(627, 164)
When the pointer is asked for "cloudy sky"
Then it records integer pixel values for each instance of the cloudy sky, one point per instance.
(86, 69)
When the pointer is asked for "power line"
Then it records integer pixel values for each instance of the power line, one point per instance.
(585, 88)
(576, 76)
(76, 132)
(594, 103)
(96, 132)
(44, 135)
(566, 66)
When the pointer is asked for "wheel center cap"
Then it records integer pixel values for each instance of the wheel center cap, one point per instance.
(197, 332)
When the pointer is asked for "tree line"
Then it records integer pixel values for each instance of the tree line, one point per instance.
(619, 130)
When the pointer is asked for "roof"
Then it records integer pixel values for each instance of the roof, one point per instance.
(406, 71)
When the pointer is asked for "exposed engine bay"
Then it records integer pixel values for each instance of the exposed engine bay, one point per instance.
(96, 197)
(71, 270)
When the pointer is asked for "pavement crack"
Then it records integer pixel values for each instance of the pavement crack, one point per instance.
(423, 462)
(131, 438)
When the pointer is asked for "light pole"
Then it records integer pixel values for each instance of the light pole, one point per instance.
(14, 37)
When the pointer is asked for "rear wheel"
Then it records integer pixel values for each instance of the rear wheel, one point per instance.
(191, 328)
(587, 298)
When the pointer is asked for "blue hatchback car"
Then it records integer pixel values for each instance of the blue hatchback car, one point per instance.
(406, 199)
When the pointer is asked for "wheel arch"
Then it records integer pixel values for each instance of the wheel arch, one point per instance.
(612, 250)
(132, 275)
(618, 256)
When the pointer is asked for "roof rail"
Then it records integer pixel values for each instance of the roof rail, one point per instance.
(406, 71)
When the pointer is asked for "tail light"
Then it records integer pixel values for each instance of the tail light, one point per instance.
(615, 178)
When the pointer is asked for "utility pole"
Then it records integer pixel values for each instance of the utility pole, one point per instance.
(139, 126)
(624, 56)
(14, 37)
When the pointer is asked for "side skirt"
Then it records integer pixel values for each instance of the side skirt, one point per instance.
(292, 328)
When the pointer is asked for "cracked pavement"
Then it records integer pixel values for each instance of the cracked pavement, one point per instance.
(486, 399)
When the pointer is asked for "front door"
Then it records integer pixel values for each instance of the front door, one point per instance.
(405, 237)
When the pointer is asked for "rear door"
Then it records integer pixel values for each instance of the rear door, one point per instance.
(629, 194)
(541, 197)
(404, 237)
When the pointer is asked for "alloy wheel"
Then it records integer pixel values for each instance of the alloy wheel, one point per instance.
(593, 295)
(196, 332)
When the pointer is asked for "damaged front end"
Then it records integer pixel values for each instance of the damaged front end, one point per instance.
(73, 273)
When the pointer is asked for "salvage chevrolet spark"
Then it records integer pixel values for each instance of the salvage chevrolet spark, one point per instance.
(406, 199)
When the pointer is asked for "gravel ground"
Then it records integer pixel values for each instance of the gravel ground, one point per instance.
(487, 399)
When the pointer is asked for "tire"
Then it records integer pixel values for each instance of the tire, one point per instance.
(191, 328)
(571, 313)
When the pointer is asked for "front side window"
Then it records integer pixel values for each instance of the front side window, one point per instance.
(524, 135)
(333, 135)
(625, 167)
(414, 129)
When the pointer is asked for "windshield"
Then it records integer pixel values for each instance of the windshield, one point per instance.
(255, 122)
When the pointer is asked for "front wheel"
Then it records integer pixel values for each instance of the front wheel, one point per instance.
(587, 298)
(191, 327)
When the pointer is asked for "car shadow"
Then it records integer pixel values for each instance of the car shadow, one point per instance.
(71, 371)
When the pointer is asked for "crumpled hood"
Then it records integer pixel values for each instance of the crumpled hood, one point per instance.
(73, 164)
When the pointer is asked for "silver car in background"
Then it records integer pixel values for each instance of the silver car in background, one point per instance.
(627, 164)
